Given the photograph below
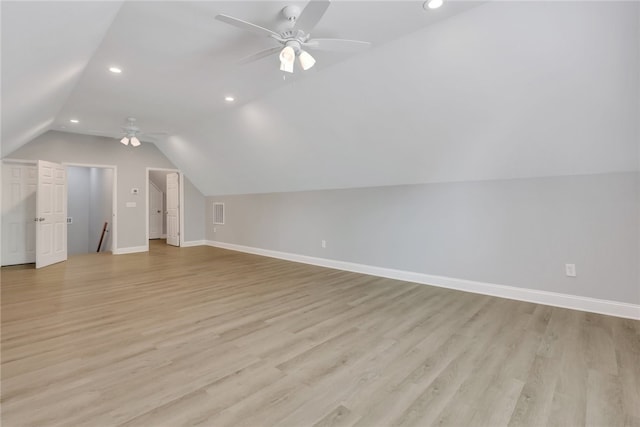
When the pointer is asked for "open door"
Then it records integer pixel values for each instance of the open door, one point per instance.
(173, 210)
(51, 214)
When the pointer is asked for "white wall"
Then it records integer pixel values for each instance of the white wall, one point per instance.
(504, 90)
(131, 162)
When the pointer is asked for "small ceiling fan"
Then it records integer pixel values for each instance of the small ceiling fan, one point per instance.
(294, 39)
(132, 132)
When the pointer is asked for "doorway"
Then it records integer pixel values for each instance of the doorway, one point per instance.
(35, 217)
(90, 209)
(165, 206)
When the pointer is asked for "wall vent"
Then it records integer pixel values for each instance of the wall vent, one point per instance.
(218, 213)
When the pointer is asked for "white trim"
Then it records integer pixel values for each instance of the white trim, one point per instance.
(21, 161)
(194, 243)
(163, 236)
(114, 202)
(181, 210)
(130, 250)
(611, 308)
(88, 165)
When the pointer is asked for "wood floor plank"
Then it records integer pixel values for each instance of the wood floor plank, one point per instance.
(206, 336)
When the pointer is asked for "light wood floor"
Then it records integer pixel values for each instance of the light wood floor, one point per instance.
(204, 336)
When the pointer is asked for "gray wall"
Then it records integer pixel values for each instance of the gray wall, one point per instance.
(131, 162)
(78, 196)
(194, 214)
(101, 196)
(517, 125)
(90, 196)
(512, 232)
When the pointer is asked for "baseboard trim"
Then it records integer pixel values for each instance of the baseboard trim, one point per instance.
(193, 243)
(574, 302)
(130, 250)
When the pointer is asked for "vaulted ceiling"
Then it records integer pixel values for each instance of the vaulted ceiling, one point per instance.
(468, 91)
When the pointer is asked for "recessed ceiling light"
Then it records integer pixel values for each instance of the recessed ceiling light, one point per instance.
(115, 70)
(432, 4)
(229, 98)
(74, 121)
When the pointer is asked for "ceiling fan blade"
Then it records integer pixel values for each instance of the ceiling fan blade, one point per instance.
(103, 133)
(311, 15)
(260, 55)
(248, 26)
(154, 133)
(337, 45)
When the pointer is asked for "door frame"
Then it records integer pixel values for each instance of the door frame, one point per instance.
(114, 193)
(180, 197)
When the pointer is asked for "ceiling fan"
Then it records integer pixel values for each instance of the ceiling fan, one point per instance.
(296, 38)
(132, 132)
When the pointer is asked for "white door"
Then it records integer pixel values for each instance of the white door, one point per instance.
(18, 213)
(51, 212)
(173, 209)
(155, 212)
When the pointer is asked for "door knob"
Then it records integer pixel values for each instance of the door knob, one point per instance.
(40, 219)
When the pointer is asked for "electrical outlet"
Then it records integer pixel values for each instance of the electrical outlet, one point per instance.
(323, 243)
(570, 269)
(69, 220)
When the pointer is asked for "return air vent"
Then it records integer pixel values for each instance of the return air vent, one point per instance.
(218, 213)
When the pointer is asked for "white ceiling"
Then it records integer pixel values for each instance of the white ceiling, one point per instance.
(45, 49)
(463, 92)
(178, 62)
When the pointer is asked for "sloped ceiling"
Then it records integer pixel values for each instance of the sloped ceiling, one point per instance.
(45, 48)
(501, 90)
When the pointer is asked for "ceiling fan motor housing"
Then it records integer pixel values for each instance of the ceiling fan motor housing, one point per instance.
(295, 45)
(291, 12)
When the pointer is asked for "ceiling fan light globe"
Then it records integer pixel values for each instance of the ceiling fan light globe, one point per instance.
(135, 142)
(125, 140)
(287, 58)
(306, 60)
(432, 4)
